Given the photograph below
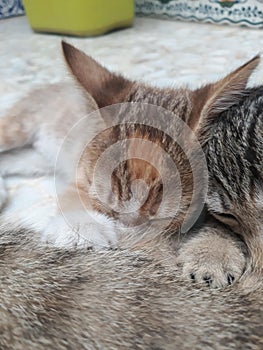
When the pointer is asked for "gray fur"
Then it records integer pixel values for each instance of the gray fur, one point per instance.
(234, 152)
(53, 299)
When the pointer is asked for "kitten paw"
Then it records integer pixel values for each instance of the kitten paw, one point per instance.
(82, 231)
(214, 259)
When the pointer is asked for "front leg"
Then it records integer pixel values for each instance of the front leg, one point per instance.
(77, 227)
(82, 230)
(213, 255)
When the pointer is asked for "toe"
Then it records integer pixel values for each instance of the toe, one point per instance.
(208, 280)
(230, 278)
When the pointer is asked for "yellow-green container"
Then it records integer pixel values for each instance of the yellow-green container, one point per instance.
(79, 17)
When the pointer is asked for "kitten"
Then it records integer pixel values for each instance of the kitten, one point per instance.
(40, 128)
(234, 153)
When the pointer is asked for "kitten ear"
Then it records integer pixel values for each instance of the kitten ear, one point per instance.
(105, 87)
(209, 101)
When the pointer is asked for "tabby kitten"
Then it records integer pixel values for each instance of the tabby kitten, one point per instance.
(37, 127)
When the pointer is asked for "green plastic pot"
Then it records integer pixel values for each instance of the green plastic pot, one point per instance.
(79, 17)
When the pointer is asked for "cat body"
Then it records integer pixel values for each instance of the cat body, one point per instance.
(35, 137)
(122, 299)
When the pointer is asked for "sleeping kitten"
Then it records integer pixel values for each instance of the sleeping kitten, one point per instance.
(35, 134)
(234, 153)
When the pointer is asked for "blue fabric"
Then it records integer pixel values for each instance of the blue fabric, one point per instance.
(11, 8)
(241, 12)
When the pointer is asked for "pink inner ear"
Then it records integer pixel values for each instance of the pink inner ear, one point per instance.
(105, 87)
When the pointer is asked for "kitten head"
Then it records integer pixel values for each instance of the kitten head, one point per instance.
(153, 177)
(231, 135)
(141, 173)
(230, 132)
(234, 153)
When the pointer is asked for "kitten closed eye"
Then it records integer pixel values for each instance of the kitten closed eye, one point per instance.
(228, 219)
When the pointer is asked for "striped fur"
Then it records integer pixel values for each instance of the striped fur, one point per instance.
(234, 152)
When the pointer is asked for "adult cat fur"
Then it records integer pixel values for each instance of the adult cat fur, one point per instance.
(76, 299)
